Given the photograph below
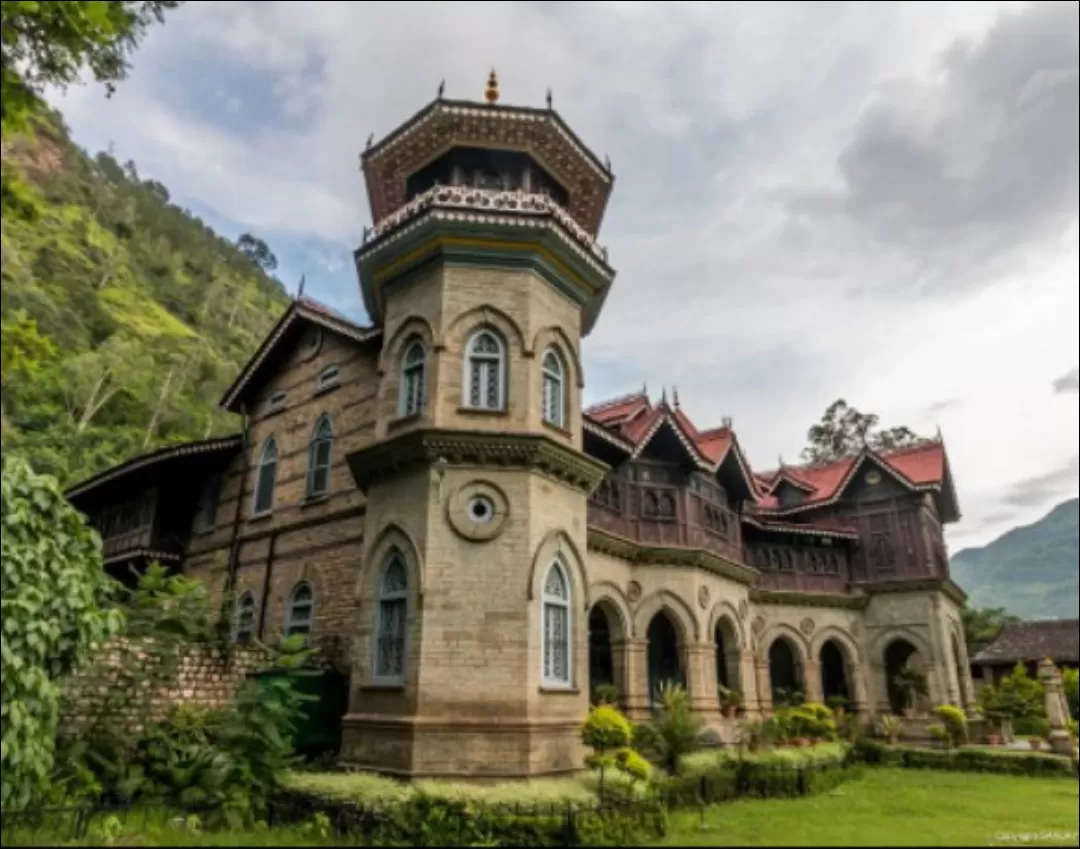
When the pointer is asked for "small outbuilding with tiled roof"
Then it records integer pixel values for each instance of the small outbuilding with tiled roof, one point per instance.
(1028, 643)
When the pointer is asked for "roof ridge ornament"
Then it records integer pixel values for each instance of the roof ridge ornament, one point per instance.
(491, 93)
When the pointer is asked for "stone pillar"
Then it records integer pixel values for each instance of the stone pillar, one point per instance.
(638, 703)
(856, 687)
(748, 682)
(764, 685)
(1057, 710)
(812, 681)
(620, 659)
(701, 677)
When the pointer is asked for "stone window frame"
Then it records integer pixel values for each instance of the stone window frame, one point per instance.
(553, 387)
(329, 377)
(321, 434)
(479, 360)
(268, 459)
(242, 630)
(294, 624)
(411, 394)
(387, 597)
(563, 604)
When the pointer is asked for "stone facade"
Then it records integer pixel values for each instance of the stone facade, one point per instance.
(487, 551)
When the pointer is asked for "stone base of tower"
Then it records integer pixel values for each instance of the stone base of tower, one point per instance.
(461, 748)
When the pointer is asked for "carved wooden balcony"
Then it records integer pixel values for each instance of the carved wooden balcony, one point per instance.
(665, 517)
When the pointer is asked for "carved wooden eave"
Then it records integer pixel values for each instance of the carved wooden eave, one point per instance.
(445, 124)
(665, 418)
(420, 448)
(853, 601)
(299, 312)
(786, 477)
(606, 542)
(948, 587)
(805, 530)
(225, 445)
(606, 435)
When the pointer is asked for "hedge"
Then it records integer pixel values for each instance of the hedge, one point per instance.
(997, 761)
(718, 776)
(424, 820)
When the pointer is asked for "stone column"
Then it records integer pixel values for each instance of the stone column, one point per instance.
(637, 700)
(860, 701)
(748, 683)
(1057, 710)
(812, 688)
(701, 677)
(764, 686)
(620, 658)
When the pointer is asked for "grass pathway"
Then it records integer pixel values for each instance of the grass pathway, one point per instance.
(894, 807)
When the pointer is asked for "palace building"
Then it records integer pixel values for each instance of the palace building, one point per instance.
(428, 501)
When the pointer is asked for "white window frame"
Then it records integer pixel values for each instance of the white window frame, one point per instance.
(313, 446)
(276, 402)
(328, 377)
(270, 443)
(484, 361)
(383, 596)
(553, 388)
(412, 368)
(565, 604)
(246, 600)
(290, 610)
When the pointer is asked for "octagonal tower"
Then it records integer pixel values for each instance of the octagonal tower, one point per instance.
(483, 270)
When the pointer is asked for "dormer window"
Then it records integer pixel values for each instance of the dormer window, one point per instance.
(327, 378)
(276, 403)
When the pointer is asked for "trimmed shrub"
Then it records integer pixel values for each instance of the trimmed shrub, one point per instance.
(996, 761)
(953, 723)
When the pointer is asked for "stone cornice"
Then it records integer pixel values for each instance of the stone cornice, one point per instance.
(856, 601)
(947, 586)
(698, 558)
(416, 448)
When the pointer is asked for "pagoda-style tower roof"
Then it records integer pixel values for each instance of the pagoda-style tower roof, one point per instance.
(480, 183)
(445, 124)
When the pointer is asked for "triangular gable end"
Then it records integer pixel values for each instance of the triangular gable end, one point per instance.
(733, 466)
(286, 333)
(666, 422)
(865, 457)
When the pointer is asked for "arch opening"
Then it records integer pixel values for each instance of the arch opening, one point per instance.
(664, 654)
(785, 674)
(603, 625)
(834, 673)
(726, 640)
(900, 656)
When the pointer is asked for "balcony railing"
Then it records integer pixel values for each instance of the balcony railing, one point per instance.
(485, 200)
(801, 582)
(665, 516)
(142, 538)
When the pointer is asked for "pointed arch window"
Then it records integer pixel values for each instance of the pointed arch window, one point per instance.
(300, 612)
(554, 399)
(556, 622)
(411, 402)
(244, 618)
(390, 630)
(485, 387)
(266, 477)
(319, 450)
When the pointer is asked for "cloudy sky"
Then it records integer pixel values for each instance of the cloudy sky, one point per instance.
(874, 201)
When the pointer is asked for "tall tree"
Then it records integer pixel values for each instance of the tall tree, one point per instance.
(845, 430)
(982, 627)
(257, 251)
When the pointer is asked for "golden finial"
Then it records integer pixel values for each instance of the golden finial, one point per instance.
(491, 94)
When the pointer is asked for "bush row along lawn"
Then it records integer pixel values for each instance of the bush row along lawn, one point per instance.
(896, 807)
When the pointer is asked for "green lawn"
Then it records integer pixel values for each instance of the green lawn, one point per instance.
(893, 807)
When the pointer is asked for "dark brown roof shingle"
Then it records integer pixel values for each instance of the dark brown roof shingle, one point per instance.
(1057, 639)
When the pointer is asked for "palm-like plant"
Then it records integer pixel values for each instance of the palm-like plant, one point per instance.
(674, 731)
(910, 683)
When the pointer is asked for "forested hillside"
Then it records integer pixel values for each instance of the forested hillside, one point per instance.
(124, 316)
(1031, 571)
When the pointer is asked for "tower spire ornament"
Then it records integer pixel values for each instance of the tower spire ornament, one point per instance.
(491, 93)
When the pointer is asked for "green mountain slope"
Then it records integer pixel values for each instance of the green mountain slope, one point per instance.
(124, 316)
(1031, 571)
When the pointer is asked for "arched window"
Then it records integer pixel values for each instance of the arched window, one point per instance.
(318, 473)
(486, 371)
(299, 614)
(554, 399)
(557, 642)
(265, 477)
(411, 401)
(244, 618)
(392, 620)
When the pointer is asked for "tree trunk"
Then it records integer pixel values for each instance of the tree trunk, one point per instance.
(162, 395)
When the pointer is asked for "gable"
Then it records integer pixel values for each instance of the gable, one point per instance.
(872, 480)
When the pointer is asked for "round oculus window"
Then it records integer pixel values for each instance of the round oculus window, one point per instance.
(873, 477)
(481, 509)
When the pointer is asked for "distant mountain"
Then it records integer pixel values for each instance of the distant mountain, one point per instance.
(1031, 571)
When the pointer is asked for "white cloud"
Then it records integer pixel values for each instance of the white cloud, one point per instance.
(777, 169)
